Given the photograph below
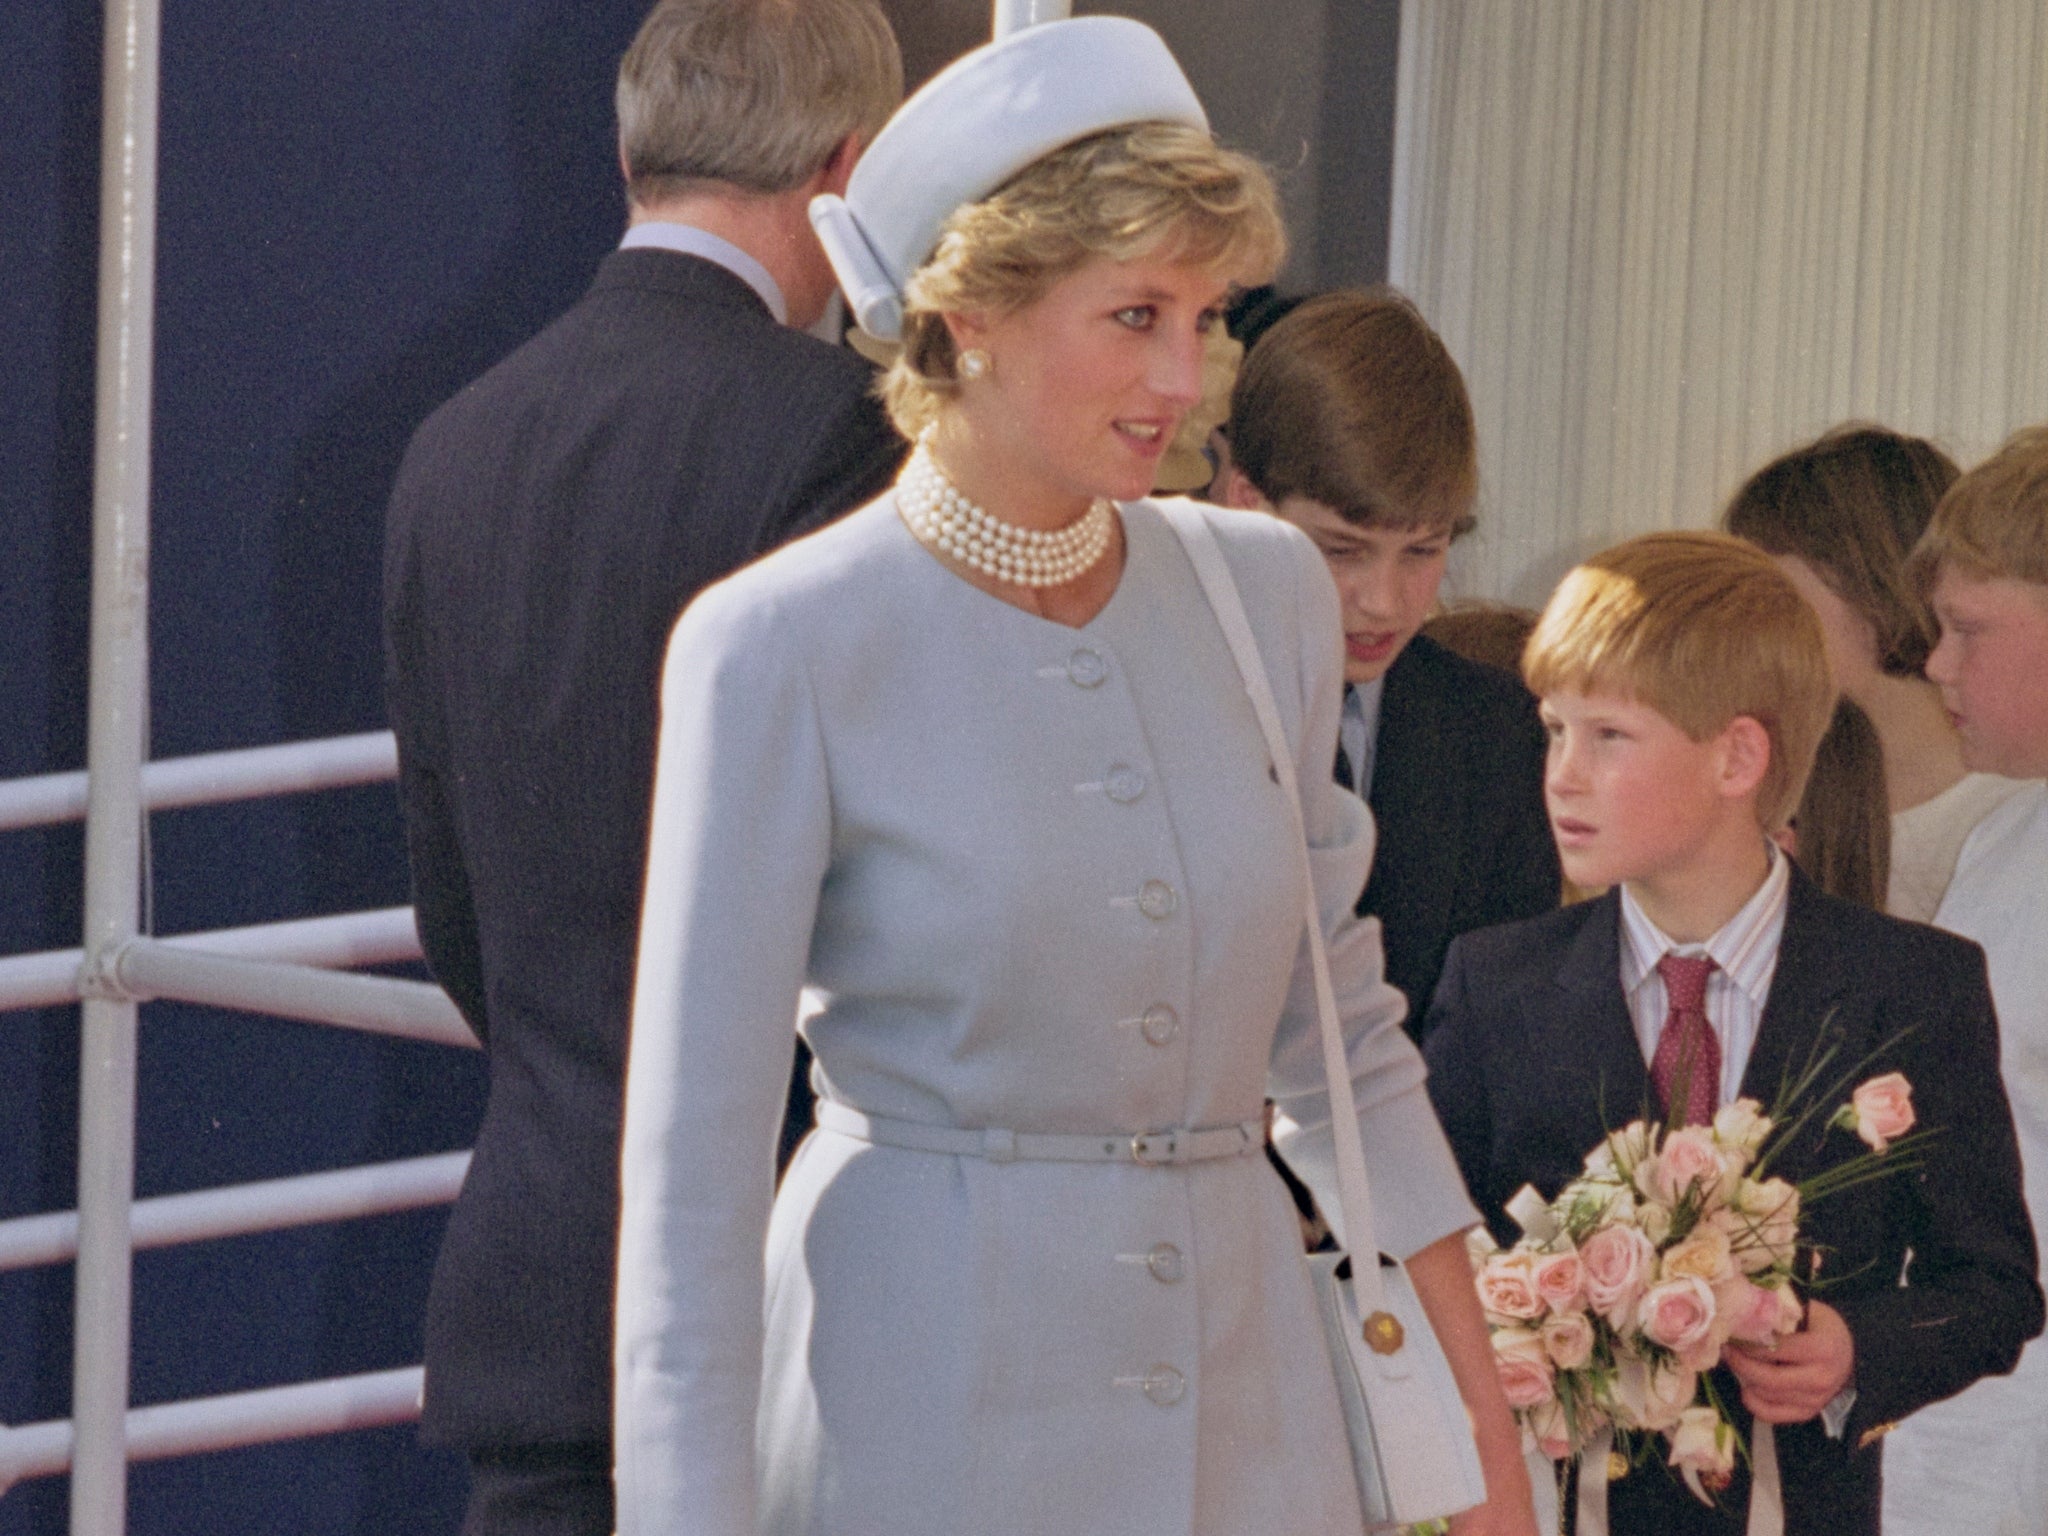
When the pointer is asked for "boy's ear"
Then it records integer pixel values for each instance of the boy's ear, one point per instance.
(1234, 489)
(1745, 756)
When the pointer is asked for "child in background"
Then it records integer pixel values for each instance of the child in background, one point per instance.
(1684, 687)
(1979, 1463)
(1350, 420)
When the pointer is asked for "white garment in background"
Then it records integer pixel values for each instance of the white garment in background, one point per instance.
(1928, 839)
(1978, 1463)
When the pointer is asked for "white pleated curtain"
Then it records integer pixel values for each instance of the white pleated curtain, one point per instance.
(1667, 239)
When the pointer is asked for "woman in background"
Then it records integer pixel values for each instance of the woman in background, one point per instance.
(1840, 515)
(976, 764)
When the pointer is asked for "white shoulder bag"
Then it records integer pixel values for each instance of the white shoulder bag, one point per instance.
(1411, 1438)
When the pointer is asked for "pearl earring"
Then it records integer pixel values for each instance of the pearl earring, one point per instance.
(975, 363)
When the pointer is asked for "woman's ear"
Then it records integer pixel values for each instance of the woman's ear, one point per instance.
(1745, 756)
(968, 329)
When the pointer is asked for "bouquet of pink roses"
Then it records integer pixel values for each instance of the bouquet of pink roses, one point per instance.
(1617, 1300)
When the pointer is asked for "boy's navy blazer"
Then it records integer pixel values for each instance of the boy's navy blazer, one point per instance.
(1533, 1057)
(548, 525)
(1457, 792)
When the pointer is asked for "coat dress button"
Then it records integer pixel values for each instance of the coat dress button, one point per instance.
(1165, 1263)
(1159, 1024)
(1086, 668)
(1123, 784)
(1157, 900)
(1165, 1386)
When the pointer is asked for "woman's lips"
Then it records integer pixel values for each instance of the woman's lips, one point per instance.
(1571, 830)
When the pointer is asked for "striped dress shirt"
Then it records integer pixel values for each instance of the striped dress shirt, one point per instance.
(1745, 955)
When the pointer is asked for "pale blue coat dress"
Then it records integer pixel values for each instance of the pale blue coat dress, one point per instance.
(1044, 881)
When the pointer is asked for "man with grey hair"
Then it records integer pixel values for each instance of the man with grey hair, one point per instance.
(548, 525)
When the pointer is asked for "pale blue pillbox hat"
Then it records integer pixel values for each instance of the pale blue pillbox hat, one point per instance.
(975, 124)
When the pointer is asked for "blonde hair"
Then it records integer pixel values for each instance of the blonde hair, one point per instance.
(752, 93)
(1351, 400)
(1703, 628)
(1994, 520)
(1124, 194)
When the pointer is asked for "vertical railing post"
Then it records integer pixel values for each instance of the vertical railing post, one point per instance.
(1015, 15)
(118, 702)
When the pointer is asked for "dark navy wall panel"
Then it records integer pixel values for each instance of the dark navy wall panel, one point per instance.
(362, 204)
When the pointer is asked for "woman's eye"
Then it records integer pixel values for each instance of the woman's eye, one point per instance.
(1207, 321)
(1138, 317)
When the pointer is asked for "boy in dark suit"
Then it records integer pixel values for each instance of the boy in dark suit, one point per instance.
(1350, 420)
(1684, 687)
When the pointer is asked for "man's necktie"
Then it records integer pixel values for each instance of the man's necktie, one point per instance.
(1688, 1059)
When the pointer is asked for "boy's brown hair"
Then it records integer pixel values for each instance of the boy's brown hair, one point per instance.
(1851, 504)
(1353, 401)
(1703, 628)
(1994, 520)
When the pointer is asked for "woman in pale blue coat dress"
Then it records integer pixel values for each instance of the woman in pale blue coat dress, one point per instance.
(1017, 827)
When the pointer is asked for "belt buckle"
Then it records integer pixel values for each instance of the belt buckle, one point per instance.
(1152, 1149)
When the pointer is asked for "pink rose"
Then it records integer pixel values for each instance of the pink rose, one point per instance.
(1617, 1262)
(1560, 1280)
(1703, 1450)
(1704, 1255)
(1883, 1108)
(1507, 1285)
(1678, 1314)
(1689, 1161)
(1568, 1339)
(1525, 1373)
(1750, 1312)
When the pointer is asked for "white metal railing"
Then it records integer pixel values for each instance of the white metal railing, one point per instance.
(383, 937)
(236, 1210)
(213, 778)
(221, 1423)
(293, 969)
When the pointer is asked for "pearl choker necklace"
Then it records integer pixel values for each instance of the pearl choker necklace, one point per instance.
(949, 523)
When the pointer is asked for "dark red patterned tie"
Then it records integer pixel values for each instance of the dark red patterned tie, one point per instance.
(1688, 1059)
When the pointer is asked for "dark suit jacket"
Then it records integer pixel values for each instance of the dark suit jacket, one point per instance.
(1532, 1058)
(1457, 790)
(546, 528)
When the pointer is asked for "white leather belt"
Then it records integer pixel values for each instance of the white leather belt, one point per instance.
(1151, 1148)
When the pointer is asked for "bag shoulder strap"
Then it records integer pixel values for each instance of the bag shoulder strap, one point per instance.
(1354, 1190)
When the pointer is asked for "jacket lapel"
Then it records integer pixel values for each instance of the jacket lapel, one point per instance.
(1594, 1023)
(1415, 800)
(1806, 990)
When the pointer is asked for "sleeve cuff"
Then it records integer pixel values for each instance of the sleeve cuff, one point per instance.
(1835, 1417)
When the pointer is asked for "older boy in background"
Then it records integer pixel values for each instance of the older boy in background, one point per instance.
(1980, 1462)
(1350, 420)
(1684, 687)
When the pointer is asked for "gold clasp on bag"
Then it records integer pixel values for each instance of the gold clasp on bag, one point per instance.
(1383, 1333)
